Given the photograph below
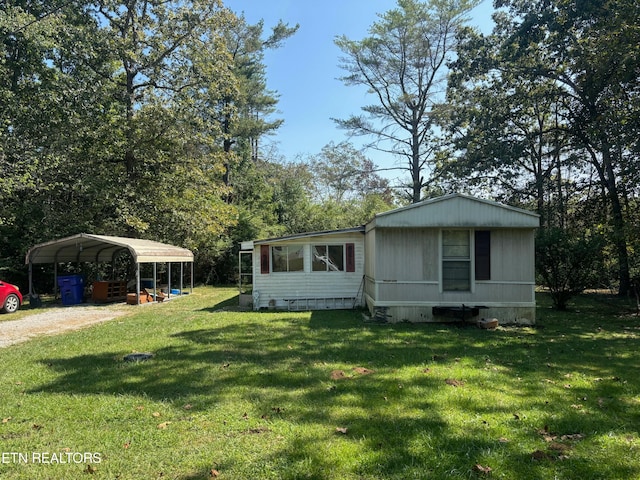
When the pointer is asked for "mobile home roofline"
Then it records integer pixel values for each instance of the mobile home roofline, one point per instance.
(250, 244)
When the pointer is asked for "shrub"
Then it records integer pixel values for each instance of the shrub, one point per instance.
(567, 263)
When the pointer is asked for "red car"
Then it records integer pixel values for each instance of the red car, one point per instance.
(10, 297)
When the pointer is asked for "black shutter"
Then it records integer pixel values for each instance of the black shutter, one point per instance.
(483, 254)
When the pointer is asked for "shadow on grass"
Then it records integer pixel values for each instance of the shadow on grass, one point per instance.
(283, 367)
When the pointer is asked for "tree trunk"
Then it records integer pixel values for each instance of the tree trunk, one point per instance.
(617, 222)
(416, 193)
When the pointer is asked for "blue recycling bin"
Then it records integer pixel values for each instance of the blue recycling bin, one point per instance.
(71, 289)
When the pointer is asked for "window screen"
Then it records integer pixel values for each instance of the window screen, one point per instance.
(456, 260)
(287, 258)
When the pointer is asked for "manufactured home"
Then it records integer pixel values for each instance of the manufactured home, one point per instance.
(451, 257)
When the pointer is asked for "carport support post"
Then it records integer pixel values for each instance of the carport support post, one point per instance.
(30, 280)
(138, 282)
(181, 276)
(155, 275)
(169, 279)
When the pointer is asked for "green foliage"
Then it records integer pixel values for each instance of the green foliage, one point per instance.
(567, 263)
(114, 118)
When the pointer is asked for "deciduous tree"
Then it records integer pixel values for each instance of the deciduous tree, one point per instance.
(402, 63)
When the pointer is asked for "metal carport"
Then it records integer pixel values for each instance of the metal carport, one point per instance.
(85, 247)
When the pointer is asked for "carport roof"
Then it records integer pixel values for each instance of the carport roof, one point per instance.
(85, 247)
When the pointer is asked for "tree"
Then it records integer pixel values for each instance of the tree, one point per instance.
(343, 173)
(244, 111)
(504, 129)
(403, 64)
(567, 263)
(555, 87)
(590, 52)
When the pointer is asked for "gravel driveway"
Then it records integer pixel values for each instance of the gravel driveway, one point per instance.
(57, 320)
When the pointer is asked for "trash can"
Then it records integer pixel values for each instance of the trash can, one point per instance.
(71, 289)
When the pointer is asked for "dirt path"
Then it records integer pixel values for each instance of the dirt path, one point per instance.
(57, 320)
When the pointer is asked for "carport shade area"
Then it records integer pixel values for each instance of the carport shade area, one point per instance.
(85, 247)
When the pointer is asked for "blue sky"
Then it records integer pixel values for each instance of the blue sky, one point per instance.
(305, 72)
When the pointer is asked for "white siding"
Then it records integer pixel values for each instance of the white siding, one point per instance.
(456, 211)
(279, 287)
(408, 265)
(513, 255)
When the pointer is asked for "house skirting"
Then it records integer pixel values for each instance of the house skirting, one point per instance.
(506, 313)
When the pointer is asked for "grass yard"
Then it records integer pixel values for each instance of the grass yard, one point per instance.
(323, 395)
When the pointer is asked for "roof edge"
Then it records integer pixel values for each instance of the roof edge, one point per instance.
(449, 196)
(359, 229)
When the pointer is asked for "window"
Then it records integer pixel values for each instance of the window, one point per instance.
(328, 258)
(287, 258)
(456, 260)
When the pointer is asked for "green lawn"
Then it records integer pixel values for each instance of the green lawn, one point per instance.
(324, 395)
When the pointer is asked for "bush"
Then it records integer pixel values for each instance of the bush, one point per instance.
(567, 263)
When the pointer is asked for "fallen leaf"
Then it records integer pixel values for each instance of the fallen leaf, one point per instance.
(214, 473)
(503, 440)
(453, 382)
(91, 470)
(163, 425)
(573, 436)
(426, 370)
(482, 469)
(516, 416)
(559, 447)
(342, 430)
(35, 426)
(188, 406)
(6, 420)
(337, 374)
(127, 445)
(363, 371)
(155, 414)
(139, 408)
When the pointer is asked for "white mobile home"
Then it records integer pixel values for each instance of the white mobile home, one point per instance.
(450, 257)
(308, 271)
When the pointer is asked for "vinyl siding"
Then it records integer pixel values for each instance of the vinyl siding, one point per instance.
(282, 286)
(408, 268)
